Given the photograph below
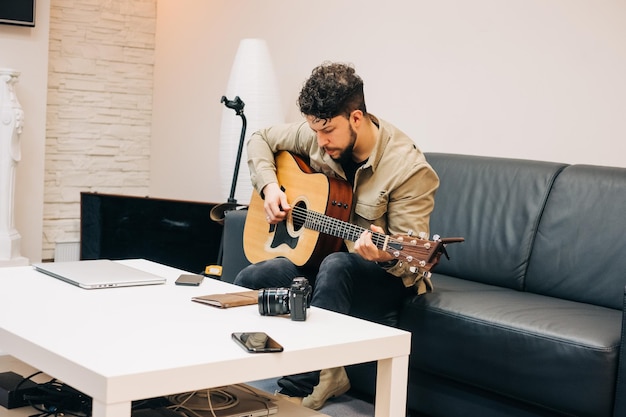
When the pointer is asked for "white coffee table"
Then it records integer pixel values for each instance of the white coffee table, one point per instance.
(125, 344)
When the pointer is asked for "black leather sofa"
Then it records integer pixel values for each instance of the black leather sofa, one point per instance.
(526, 317)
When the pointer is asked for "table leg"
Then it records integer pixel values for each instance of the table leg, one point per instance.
(99, 409)
(391, 387)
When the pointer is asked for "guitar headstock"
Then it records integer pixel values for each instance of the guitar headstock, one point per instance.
(419, 251)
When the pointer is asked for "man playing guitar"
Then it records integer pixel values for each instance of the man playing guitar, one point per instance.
(393, 190)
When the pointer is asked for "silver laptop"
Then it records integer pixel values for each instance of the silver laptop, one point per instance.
(100, 273)
(229, 401)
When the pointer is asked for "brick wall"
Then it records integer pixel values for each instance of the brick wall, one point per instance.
(99, 111)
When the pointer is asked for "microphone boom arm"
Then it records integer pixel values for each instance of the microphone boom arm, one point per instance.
(237, 104)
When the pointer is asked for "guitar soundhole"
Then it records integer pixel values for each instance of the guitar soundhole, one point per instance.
(298, 215)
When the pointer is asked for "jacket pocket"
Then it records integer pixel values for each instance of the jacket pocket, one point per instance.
(370, 212)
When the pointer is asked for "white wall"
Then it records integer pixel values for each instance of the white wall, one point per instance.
(99, 112)
(25, 49)
(538, 79)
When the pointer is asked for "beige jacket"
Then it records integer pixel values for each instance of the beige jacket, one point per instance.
(394, 189)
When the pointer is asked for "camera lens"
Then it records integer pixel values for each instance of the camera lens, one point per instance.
(273, 301)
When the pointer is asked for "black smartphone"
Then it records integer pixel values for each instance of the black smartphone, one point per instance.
(257, 342)
(189, 279)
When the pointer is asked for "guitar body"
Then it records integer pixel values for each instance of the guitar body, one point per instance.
(306, 189)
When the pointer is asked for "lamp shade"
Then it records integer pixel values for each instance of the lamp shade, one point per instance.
(253, 79)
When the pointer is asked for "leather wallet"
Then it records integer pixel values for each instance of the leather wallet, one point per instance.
(227, 300)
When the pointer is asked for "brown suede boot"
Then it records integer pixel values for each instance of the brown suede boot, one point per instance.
(333, 383)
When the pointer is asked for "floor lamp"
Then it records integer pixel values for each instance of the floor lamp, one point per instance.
(253, 78)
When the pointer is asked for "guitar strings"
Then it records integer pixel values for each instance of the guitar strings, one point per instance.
(335, 227)
(303, 217)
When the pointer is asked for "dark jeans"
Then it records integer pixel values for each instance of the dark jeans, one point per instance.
(345, 283)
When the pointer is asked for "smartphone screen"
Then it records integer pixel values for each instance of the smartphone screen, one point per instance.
(257, 342)
(189, 279)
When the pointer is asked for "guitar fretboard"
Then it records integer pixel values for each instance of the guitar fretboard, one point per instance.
(329, 225)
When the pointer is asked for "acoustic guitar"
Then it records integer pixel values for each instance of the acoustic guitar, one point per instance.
(317, 223)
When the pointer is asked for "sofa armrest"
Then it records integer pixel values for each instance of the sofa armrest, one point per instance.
(620, 385)
(233, 256)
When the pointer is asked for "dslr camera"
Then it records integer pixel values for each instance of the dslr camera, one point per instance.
(293, 300)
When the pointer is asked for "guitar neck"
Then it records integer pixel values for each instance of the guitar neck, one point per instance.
(329, 225)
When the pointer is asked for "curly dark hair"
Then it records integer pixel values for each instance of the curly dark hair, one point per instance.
(333, 89)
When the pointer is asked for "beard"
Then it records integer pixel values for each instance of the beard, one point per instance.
(346, 154)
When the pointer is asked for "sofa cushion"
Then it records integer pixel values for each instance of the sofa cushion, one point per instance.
(580, 250)
(554, 353)
(495, 204)
(233, 257)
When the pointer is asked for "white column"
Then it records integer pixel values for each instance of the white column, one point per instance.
(11, 123)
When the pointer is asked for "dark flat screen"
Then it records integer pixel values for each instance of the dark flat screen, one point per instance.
(177, 233)
(17, 12)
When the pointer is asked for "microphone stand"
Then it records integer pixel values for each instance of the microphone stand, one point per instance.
(218, 212)
(237, 104)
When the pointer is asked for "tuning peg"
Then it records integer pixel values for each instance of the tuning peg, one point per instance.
(436, 237)
(423, 235)
(410, 232)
